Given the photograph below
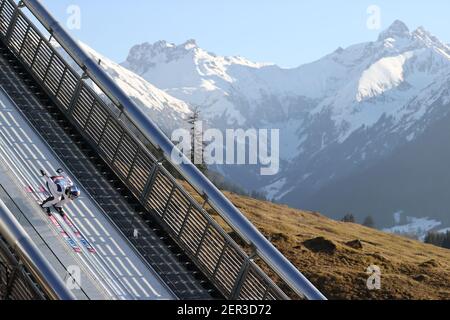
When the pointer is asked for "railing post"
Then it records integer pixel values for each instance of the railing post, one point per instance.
(89, 116)
(44, 79)
(265, 292)
(240, 280)
(24, 40)
(76, 94)
(168, 201)
(122, 136)
(186, 217)
(222, 253)
(202, 239)
(61, 82)
(133, 163)
(150, 182)
(38, 48)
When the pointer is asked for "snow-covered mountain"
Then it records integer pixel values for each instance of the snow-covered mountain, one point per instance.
(339, 116)
(396, 67)
(169, 112)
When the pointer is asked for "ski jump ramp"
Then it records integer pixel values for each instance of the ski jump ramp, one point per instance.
(115, 270)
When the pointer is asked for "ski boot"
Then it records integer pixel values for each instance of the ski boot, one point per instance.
(47, 210)
(61, 212)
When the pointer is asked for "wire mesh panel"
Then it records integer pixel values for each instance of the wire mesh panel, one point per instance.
(208, 245)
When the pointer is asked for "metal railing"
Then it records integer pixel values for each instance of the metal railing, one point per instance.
(25, 273)
(111, 130)
(15, 282)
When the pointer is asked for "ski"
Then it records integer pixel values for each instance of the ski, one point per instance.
(55, 222)
(65, 235)
(79, 235)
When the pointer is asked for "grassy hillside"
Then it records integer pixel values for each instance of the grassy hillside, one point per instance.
(335, 255)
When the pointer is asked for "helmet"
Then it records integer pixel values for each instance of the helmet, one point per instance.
(73, 192)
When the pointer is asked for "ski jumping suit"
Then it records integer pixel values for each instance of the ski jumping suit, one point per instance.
(57, 187)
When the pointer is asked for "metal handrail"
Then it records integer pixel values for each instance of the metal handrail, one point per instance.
(31, 257)
(239, 223)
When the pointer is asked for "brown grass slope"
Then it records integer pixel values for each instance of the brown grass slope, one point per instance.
(335, 255)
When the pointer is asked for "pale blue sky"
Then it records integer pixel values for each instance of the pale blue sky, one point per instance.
(286, 32)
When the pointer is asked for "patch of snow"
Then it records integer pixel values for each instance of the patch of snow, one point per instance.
(285, 192)
(415, 226)
(383, 75)
(444, 230)
(410, 137)
(273, 189)
(398, 217)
